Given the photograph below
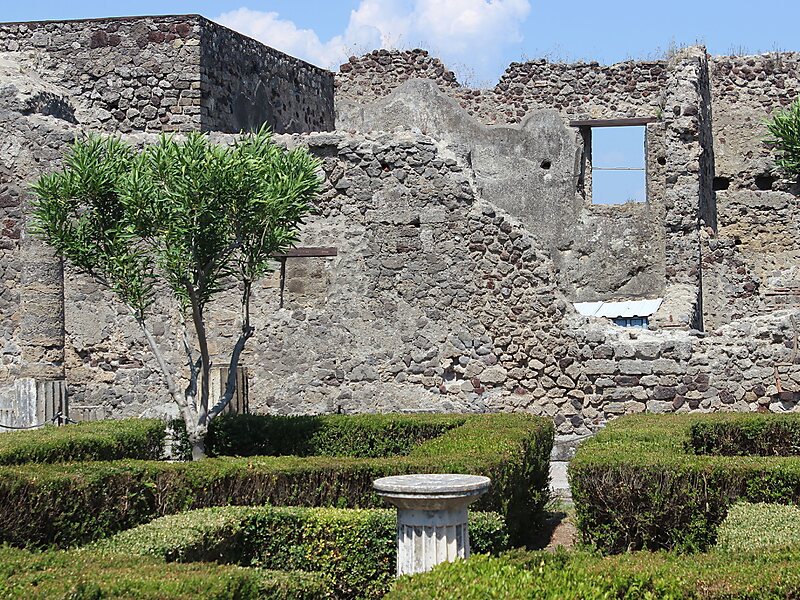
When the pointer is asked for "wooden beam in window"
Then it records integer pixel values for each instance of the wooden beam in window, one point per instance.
(628, 122)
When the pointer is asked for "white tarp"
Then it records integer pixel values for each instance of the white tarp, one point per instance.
(611, 310)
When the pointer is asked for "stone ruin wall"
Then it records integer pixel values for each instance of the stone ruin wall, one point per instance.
(750, 265)
(246, 84)
(437, 300)
(171, 73)
(672, 91)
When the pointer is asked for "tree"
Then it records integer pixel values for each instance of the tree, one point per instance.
(191, 216)
(784, 127)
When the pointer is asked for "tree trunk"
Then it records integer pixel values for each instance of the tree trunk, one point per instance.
(197, 439)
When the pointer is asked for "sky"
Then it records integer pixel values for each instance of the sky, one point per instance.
(475, 38)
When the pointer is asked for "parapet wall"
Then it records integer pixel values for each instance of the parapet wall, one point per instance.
(245, 84)
(585, 90)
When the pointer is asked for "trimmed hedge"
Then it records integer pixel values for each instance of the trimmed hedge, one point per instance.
(100, 440)
(750, 527)
(355, 549)
(638, 575)
(639, 484)
(84, 575)
(746, 435)
(357, 436)
(44, 504)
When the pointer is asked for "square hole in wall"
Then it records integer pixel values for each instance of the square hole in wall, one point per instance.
(614, 164)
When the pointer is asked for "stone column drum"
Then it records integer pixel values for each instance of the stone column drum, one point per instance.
(431, 517)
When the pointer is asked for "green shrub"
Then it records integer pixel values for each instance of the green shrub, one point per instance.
(638, 575)
(746, 435)
(43, 504)
(100, 440)
(784, 129)
(750, 527)
(83, 575)
(358, 436)
(355, 549)
(637, 484)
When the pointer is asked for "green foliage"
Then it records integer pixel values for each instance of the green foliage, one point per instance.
(358, 436)
(354, 549)
(784, 129)
(85, 575)
(746, 435)
(639, 484)
(43, 504)
(749, 527)
(101, 440)
(192, 214)
(639, 575)
(190, 210)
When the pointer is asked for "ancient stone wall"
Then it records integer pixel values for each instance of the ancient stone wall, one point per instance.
(366, 78)
(174, 73)
(115, 74)
(757, 220)
(245, 84)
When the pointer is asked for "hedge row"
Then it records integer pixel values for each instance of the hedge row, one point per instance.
(42, 504)
(746, 435)
(639, 484)
(101, 440)
(357, 436)
(638, 575)
(354, 549)
(84, 575)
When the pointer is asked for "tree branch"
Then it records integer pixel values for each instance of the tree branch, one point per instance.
(205, 357)
(183, 405)
(238, 348)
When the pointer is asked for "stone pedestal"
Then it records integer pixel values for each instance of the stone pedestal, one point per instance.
(431, 517)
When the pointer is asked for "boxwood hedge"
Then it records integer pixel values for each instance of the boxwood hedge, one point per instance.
(86, 575)
(354, 549)
(644, 482)
(99, 440)
(44, 504)
(637, 575)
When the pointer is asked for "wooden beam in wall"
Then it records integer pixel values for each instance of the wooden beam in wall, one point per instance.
(627, 122)
(307, 252)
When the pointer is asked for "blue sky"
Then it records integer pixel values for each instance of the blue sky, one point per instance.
(479, 38)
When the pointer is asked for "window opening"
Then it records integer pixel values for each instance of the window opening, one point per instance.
(641, 322)
(618, 171)
(614, 169)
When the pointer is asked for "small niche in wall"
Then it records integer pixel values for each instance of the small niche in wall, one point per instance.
(764, 182)
(613, 169)
(721, 183)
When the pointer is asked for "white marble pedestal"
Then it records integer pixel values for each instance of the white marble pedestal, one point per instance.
(431, 517)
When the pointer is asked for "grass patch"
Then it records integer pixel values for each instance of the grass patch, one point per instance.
(750, 527)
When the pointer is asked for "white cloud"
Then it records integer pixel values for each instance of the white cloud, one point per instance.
(469, 34)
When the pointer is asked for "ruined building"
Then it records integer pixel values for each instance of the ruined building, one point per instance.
(456, 261)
